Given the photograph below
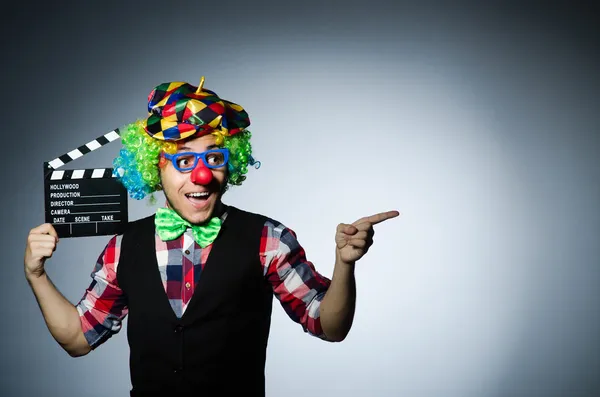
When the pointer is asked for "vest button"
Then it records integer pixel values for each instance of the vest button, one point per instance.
(178, 328)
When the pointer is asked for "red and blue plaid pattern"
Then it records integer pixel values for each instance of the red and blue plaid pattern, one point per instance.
(296, 283)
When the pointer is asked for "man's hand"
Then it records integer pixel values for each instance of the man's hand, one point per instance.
(353, 241)
(41, 244)
(61, 316)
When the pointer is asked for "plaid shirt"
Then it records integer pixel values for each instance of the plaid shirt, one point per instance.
(295, 282)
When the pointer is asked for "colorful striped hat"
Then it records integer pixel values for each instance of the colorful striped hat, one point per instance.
(179, 110)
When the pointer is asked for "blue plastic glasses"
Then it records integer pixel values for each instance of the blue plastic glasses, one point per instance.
(187, 161)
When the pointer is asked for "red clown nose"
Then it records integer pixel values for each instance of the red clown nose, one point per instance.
(201, 175)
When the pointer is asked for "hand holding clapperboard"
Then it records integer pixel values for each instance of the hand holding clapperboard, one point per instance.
(88, 202)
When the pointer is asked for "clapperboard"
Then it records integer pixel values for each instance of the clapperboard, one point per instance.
(88, 202)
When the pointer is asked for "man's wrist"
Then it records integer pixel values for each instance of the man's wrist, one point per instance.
(32, 277)
(345, 265)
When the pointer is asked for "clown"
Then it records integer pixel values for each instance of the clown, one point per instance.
(197, 279)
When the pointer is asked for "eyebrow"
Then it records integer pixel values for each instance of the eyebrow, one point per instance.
(182, 148)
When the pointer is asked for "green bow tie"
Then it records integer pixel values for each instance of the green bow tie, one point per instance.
(169, 226)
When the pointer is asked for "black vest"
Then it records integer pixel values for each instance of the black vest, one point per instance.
(219, 345)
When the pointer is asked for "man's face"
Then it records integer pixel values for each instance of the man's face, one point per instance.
(179, 187)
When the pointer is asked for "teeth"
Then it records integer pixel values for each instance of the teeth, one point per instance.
(203, 194)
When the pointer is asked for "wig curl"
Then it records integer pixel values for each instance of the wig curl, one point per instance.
(240, 155)
(138, 168)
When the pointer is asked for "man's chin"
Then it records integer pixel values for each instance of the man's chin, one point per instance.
(199, 217)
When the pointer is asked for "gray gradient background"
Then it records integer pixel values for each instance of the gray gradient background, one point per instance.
(479, 123)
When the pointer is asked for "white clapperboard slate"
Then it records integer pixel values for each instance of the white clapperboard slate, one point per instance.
(88, 202)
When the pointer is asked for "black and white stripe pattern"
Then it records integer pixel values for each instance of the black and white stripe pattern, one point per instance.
(90, 173)
(84, 149)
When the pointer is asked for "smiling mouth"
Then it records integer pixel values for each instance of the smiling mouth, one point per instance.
(198, 195)
(198, 198)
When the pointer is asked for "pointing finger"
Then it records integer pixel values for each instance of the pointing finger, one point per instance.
(377, 218)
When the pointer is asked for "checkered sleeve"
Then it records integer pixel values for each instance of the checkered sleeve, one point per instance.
(103, 305)
(295, 281)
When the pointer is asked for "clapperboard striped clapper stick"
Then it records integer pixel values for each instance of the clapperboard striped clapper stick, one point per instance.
(87, 202)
